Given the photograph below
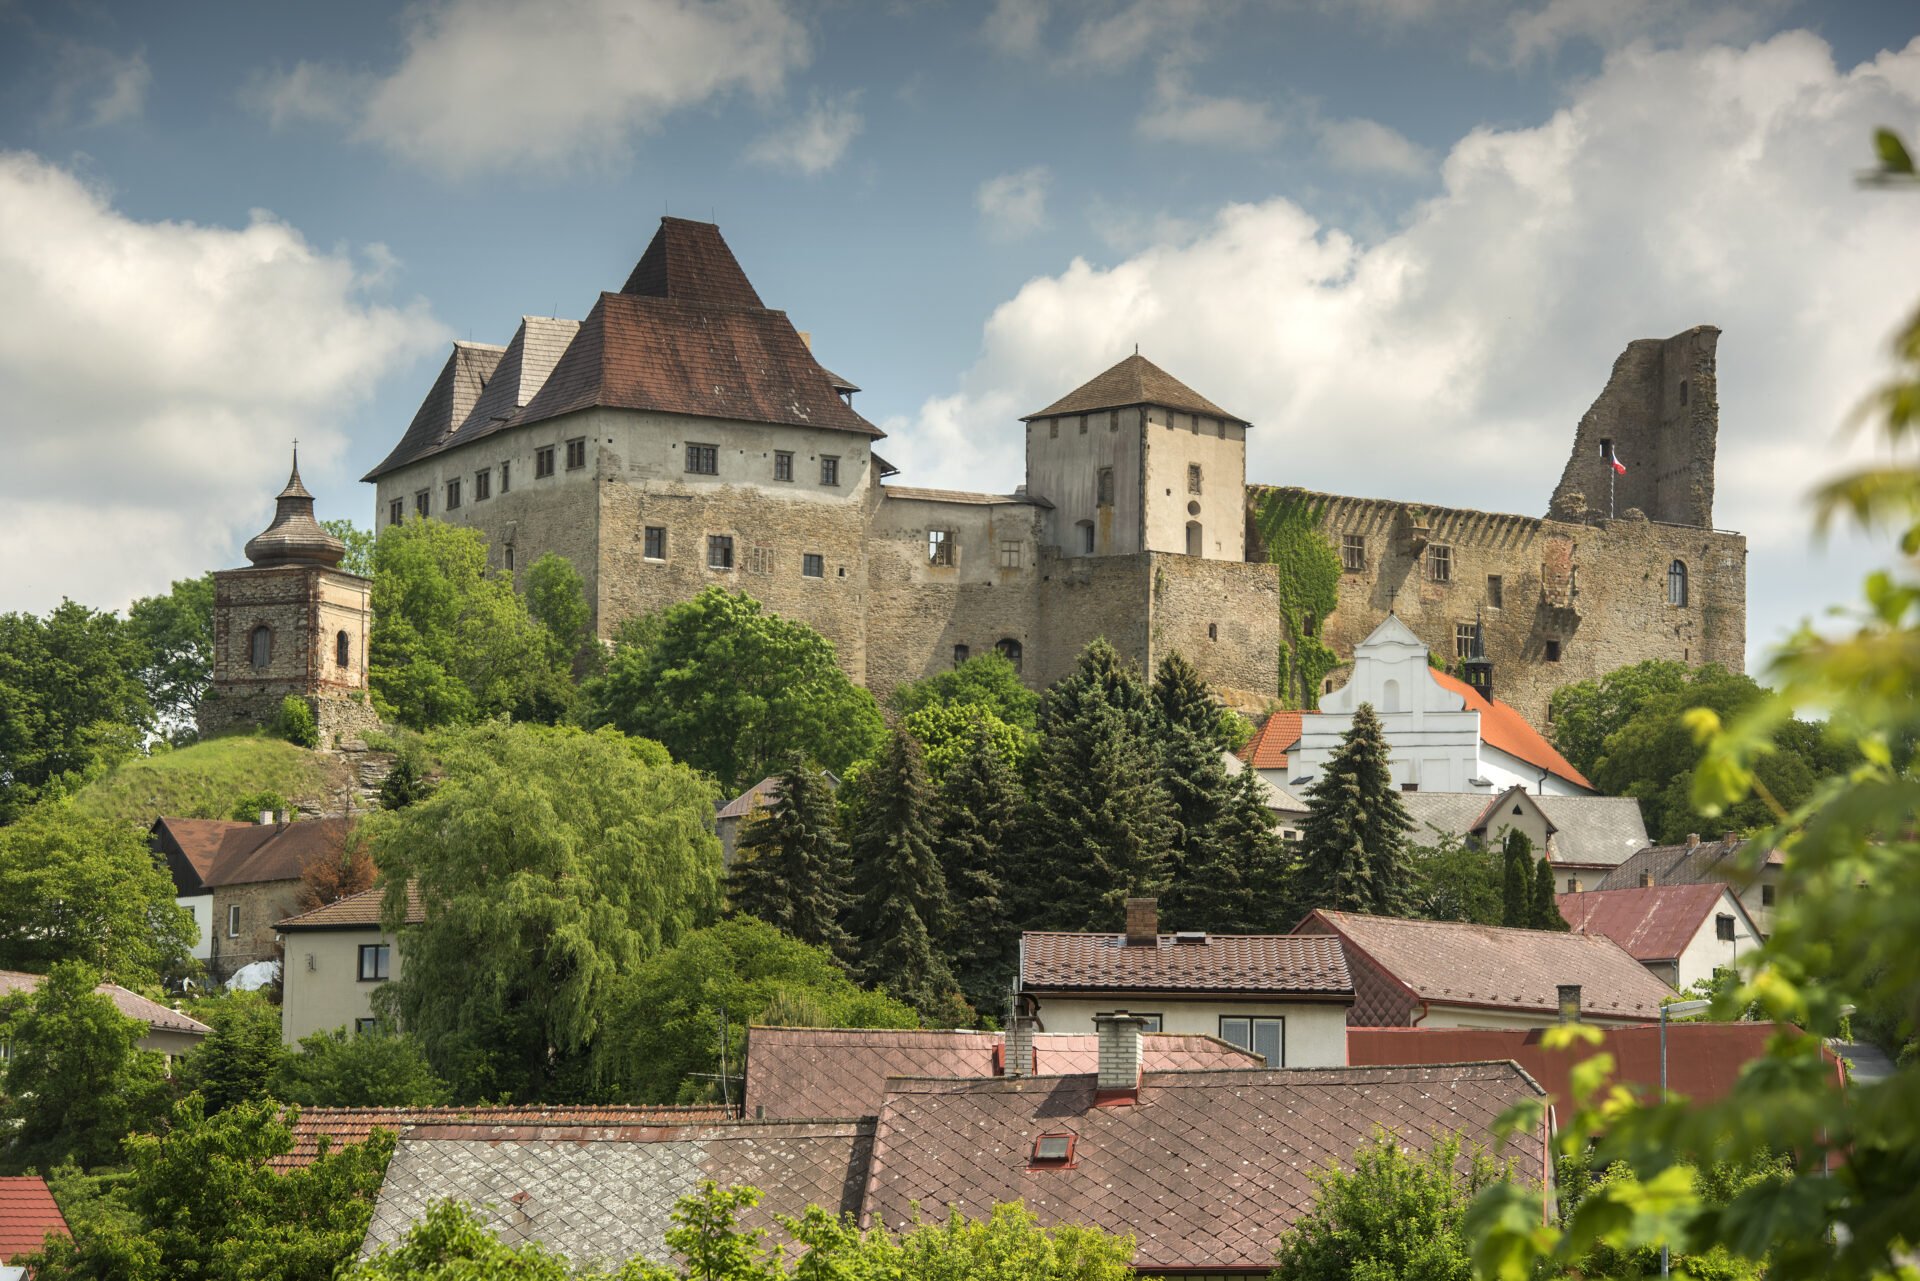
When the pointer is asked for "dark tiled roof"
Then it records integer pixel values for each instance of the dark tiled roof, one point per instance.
(135, 1006)
(604, 1195)
(1449, 812)
(1707, 862)
(204, 853)
(342, 1126)
(355, 911)
(1455, 963)
(1268, 747)
(27, 1213)
(765, 792)
(447, 405)
(1653, 924)
(1206, 1172)
(536, 347)
(1134, 381)
(690, 262)
(815, 1072)
(1271, 963)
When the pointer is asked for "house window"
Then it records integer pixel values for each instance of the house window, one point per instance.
(1463, 640)
(506, 477)
(1009, 553)
(656, 548)
(483, 485)
(1193, 538)
(1053, 429)
(1086, 537)
(1723, 927)
(396, 511)
(233, 920)
(813, 565)
(939, 547)
(543, 462)
(375, 958)
(719, 551)
(1266, 1037)
(1553, 651)
(576, 453)
(1083, 424)
(1766, 896)
(365, 1027)
(1053, 1151)
(1104, 489)
(1409, 787)
(1353, 552)
(1439, 564)
(1193, 478)
(422, 502)
(829, 470)
(1494, 591)
(342, 649)
(453, 495)
(1677, 584)
(960, 654)
(783, 464)
(703, 460)
(260, 646)
(1010, 650)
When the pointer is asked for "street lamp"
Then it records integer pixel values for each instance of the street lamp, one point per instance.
(1667, 1011)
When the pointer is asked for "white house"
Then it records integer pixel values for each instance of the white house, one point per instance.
(337, 957)
(1443, 735)
(1683, 933)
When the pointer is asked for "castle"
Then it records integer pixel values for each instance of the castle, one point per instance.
(683, 435)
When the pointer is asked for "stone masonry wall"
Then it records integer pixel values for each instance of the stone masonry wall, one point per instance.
(1082, 598)
(262, 904)
(1224, 618)
(307, 609)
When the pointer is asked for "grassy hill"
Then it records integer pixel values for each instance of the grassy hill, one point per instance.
(207, 779)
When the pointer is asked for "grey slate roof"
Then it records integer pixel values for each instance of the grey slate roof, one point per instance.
(447, 405)
(1682, 865)
(536, 348)
(603, 1194)
(1449, 812)
(1598, 831)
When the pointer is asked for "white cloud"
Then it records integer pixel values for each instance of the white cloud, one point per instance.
(94, 87)
(159, 369)
(1450, 360)
(814, 141)
(1541, 32)
(1369, 147)
(1014, 204)
(1016, 26)
(489, 85)
(312, 91)
(1177, 114)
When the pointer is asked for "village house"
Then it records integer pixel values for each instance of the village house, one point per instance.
(1285, 997)
(1583, 837)
(730, 817)
(1698, 862)
(28, 1213)
(337, 957)
(1682, 933)
(323, 1129)
(169, 1032)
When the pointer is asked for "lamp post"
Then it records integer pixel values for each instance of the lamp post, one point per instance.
(1666, 1011)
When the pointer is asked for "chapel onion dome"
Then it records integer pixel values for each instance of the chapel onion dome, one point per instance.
(294, 537)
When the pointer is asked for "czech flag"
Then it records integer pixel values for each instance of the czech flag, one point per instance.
(1607, 456)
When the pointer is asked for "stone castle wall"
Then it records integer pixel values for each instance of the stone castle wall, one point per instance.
(1224, 618)
(307, 610)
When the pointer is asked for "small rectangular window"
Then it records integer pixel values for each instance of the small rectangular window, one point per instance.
(506, 555)
(422, 502)
(783, 464)
(1083, 424)
(719, 551)
(1553, 651)
(543, 462)
(1439, 563)
(374, 960)
(1053, 1149)
(1193, 478)
(1409, 787)
(1463, 640)
(506, 477)
(703, 460)
(656, 548)
(760, 560)
(1683, 391)
(829, 470)
(1009, 553)
(813, 565)
(396, 511)
(453, 495)
(1103, 490)
(939, 547)
(1353, 552)
(576, 453)
(1053, 429)
(1723, 927)
(1086, 538)
(1766, 896)
(1495, 591)
(1113, 420)
(483, 484)
(365, 1027)
(960, 654)
(233, 921)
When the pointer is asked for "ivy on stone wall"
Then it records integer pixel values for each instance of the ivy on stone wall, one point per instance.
(1288, 526)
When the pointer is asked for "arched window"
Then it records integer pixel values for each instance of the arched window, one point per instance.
(1193, 538)
(1677, 583)
(342, 650)
(1010, 650)
(1390, 696)
(260, 648)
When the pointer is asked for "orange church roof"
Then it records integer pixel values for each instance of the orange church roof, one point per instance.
(1268, 747)
(1505, 728)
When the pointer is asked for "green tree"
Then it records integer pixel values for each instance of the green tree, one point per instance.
(84, 889)
(237, 1061)
(947, 730)
(1459, 880)
(1516, 879)
(174, 636)
(452, 1243)
(987, 681)
(70, 684)
(976, 823)
(549, 862)
(557, 600)
(1100, 826)
(1583, 715)
(295, 723)
(1287, 526)
(376, 1069)
(408, 778)
(901, 906)
(360, 545)
(249, 808)
(1546, 907)
(790, 866)
(665, 1044)
(76, 1079)
(1353, 845)
(734, 690)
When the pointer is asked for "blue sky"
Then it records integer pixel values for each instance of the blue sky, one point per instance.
(1405, 237)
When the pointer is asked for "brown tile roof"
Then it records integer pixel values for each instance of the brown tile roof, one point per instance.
(1134, 381)
(962, 496)
(448, 402)
(1207, 1171)
(205, 853)
(1455, 963)
(690, 262)
(1503, 727)
(132, 1004)
(342, 1126)
(1271, 963)
(1268, 747)
(1652, 924)
(354, 912)
(27, 1213)
(828, 1072)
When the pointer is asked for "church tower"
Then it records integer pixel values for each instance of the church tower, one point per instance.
(292, 623)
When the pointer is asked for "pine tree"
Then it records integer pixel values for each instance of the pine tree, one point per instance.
(902, 901)
(1546, 905)
(1353, 847)
(1099, 825)
(790, 867)
(1516, 880)
(976, 821)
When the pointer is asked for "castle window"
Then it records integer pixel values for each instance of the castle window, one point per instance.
(342, 649)
(1463, 640)
(1683, 391)
(1009, 553)
(1010, 650)
(1213, 631)
(396, 511)
(1439, 564)
(1494, 591)
(483, 484)
(1104, 494)
(1113, 420)
(1193, 424)
(453, 495)
(506, 477)
(1053, 429)
(813, 565)
(1086, 537)
(703, 460)
(783, 464)
(260, 646)
(1083, 424)
(1677, 584)
(1353, 552)
(1553, 651)
(506, 557)
(1221, 428)
(829, 470)
(939, 547)
(719, 551)
(543, 462)
(960, 654)
(423, 502)
(1193, 478)
(656, 548)
(576, 453)
(1193, 538)
(760, 560)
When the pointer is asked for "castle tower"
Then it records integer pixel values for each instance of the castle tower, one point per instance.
(292, 623)
(1136, 460)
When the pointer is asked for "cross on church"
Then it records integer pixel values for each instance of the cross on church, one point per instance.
(1392, 592)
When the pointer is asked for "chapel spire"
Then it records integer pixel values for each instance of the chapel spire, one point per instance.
(294, 537)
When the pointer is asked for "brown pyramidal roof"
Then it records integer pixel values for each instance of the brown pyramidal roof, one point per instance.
(1134, 381)
(690, 262)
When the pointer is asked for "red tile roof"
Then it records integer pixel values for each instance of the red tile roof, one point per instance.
(27, 1214)
(1134, 381)
(1207, 1171)
(837, 1072)
(1652, 924)
(205, 853)
(1268, 963)
(1489, 966)
(132, 1004)
(1503, 727)
(1268, 747)
(354, 912)
(342, 1126)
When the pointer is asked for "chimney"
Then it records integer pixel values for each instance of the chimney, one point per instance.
(1693, 839)
(1019, 1046)
(1569, 994)
(1119, 1080)
(266, 818)
(1646, 880)
(1730, 837)
(280, 818)
(1143, 922)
